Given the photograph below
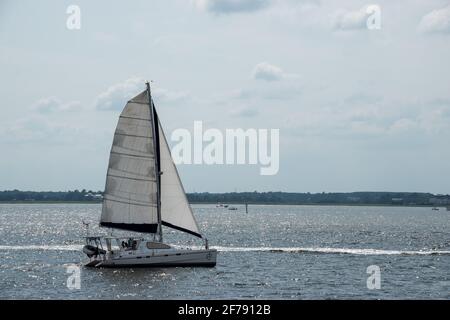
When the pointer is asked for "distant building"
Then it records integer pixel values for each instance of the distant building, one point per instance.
(440, 200)
(93, 196)
(397, 200)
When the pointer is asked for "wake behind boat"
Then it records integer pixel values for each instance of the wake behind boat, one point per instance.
(144, 192)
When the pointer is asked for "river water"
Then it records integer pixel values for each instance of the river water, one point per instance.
(271, 252)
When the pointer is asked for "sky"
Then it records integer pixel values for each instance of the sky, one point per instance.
(358, 109)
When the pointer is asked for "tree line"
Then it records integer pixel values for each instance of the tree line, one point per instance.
(51, 196)
(350, 198)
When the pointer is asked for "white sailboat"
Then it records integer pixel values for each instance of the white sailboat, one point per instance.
(144, 192)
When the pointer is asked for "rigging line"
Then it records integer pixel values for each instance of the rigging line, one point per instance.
(167, 224)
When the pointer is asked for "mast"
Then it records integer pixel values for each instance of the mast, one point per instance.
(155, 135)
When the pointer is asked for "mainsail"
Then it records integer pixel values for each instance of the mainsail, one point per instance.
(131, 194)
(130, 198)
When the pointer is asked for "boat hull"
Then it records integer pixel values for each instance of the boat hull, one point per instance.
(177, 258)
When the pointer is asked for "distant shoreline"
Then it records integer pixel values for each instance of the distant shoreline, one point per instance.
(392, 199)
(49, 202)
(250, 204)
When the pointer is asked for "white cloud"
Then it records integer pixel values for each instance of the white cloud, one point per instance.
(380, 119)
(115, 96)
(41, 129)
(168, 96)
(435, 119)
(268, 72)
(231, 6)
(437, 21)
(53, 104)
(403, 125)
(350, 20)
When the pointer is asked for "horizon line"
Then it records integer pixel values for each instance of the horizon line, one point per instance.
(224, 192)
